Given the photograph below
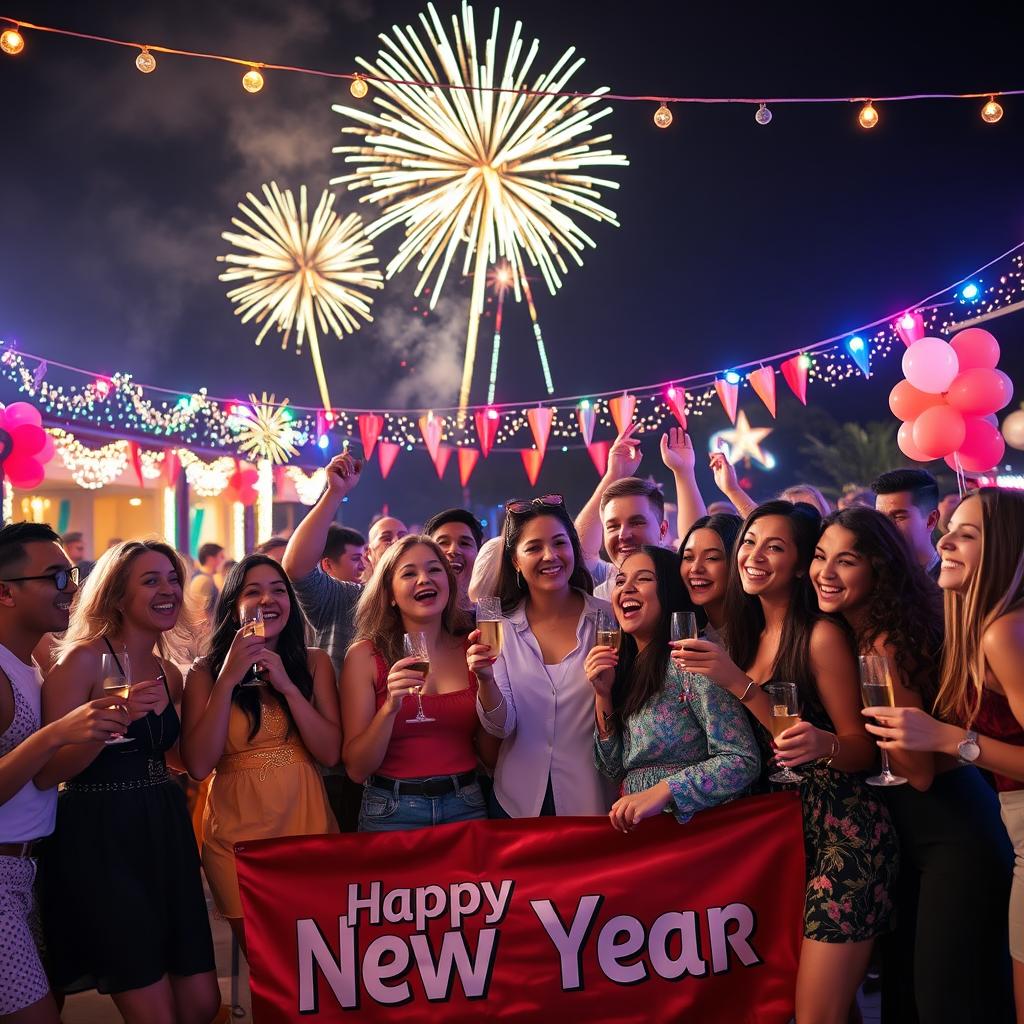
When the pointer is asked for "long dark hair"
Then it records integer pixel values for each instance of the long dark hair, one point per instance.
(640, 675)
(291, 643)
(905, 605)
(727, 526)
(745, 618)
(510, 590)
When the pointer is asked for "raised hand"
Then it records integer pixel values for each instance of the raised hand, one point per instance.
(624, 456)
(402, 682)
(725, 473)
(600, 669)
(480, 658)
(677, 451)
(343, 473)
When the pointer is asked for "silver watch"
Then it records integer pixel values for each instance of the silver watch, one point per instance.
(968, 750)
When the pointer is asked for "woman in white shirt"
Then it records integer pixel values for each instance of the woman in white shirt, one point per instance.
(535, 695)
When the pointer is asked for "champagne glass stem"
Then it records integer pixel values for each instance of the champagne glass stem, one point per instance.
(419, 701)
(886, 770)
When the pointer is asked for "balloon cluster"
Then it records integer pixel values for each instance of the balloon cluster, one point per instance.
(949, 400)
(24, 446)
(242, 483)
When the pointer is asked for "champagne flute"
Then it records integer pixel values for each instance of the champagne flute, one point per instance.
(116, 674)
(608, 633)
(415, 645)
(489, 622)
(251, 619)
(784, 712)
(684, 627)
(876, 692)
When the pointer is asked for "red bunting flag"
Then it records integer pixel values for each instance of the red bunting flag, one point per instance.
(468, 458)
(622, 411)
(487, 421)
(432, 429)
(387, 453)
(370, 426)
(136, 455)
(728, 395)
(540, 424)
(599, 455)
(172, 467)
(440, 460)
(762, 381)
(675, 399)
(586, 418)
(532, 461)
(910, 328)
(795, 373)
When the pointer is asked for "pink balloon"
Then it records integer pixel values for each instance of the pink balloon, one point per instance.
(28, 440)
(939, 431)
(930, 365)
(907, 403)
(983, 446)
(24, 472)
(976, 349)
(47, 452)
(905, 439)
(20, 413)
(979, 391)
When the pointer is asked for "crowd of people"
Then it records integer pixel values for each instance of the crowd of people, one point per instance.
(569, 666)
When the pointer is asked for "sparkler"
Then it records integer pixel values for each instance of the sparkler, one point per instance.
(301, 273)
(504, 175)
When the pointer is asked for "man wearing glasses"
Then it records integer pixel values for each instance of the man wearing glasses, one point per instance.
(37, 583)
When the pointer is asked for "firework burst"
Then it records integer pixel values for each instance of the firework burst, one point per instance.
(267, 432)
(495, 174)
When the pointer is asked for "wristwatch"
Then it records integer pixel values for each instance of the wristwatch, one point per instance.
(968, 750)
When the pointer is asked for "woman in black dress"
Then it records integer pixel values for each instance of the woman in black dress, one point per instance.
(120, 890)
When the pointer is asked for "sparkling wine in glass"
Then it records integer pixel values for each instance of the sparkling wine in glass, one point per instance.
(684, 627)
(489, 622)
(784, 712)
(251, 619)
(116, 674)
(608, 633)
(876, 692)
(416, 647)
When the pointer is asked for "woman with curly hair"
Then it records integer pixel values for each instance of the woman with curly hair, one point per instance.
(954, 856)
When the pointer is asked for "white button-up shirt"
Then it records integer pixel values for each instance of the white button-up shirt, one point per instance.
(548, 728)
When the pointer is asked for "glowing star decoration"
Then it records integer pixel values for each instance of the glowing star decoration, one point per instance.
(301, 274)
(267, 433)
(493, 174)
(744, 441)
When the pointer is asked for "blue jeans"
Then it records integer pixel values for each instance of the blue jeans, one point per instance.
(384, 810)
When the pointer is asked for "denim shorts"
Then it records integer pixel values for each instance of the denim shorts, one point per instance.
(384, 810)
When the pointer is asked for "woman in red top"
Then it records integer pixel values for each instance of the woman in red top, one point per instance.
(416, 773)
(982, 686)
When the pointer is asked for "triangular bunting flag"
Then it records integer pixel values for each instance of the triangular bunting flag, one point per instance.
(172, 467)
(387, 453)
(586, 418)
(370, 426)
(622, 411)
(910, 328)
(728, 395)
(440, 460)
(468, 458)
(540, 424)
(763, 382)
(487, 421)
(795, 373)
(599, 455)
(431, 427)
(532, 461)
(675, 399)
(133, 450)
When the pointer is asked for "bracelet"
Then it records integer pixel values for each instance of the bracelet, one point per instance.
(746, 692)
(827, 761)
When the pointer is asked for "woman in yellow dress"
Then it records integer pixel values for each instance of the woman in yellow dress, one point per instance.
(259, 711)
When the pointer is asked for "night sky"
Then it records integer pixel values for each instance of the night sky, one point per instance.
(736, 241)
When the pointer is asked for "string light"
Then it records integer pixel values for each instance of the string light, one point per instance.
(868, 116)
(252, 80)
(145, 62)
(992, 111)
(170, 516)
(663, 116)
(90, 468)
(308, 488)
(763, 115)
(359, 88)
(12, 41)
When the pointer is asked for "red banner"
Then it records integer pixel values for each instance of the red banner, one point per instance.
(547, 919)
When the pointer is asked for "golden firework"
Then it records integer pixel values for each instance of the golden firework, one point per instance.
(300, 273)
(502, 174)
(266, 433)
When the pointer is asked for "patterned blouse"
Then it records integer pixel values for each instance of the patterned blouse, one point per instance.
(703, 747)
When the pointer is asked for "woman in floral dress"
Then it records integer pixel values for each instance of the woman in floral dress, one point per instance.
(671, 750)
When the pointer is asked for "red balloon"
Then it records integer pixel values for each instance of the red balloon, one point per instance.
(939, 431)
(905, 439)
(975, 348)
(28, 439)
(24, 472)
(980, 391)
(908, 402)
(983, 446)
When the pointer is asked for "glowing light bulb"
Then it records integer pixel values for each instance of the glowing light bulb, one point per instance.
(992, 111)
(252, 80)
(969, 291)
(763, 115)
(805, 362)
(145, 62)
(663, 116)
(323, 441)
(907, 322)
(856, 344)
(12, 41)
(358, 87)
(868, 116)
(732, 377)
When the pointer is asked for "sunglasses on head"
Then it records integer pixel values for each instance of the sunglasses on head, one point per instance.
(517, 506)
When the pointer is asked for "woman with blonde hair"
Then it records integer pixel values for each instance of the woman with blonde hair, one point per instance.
(980, 707)
(120, 891)
(410, 719)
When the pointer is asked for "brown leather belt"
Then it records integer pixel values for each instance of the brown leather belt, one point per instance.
(16, 849)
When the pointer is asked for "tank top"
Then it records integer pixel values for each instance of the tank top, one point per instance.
(996, 719)
(30, 813)
(441, 747)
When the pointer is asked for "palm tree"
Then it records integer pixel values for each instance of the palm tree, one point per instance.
(852, 452)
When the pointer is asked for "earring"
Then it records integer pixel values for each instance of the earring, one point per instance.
(520, 580)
